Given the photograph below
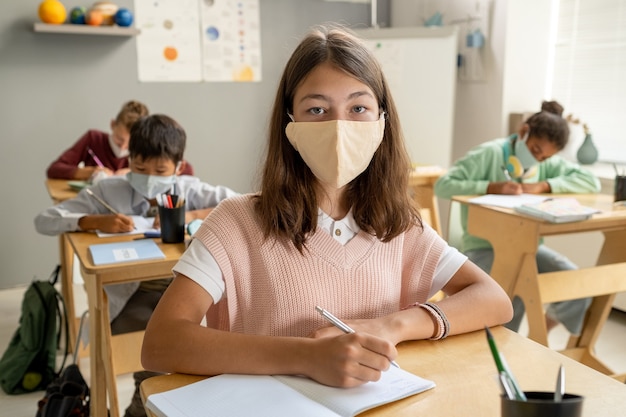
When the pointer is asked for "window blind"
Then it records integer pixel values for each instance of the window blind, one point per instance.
(589, 70)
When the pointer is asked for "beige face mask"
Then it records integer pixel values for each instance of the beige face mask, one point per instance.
(337, 151)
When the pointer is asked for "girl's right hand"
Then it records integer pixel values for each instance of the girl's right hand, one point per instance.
(350, 360)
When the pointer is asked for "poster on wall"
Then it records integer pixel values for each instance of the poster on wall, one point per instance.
(231, 40)
(198, 40)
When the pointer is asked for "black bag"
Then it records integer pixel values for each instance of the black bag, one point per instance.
(68, 395)
(28, 364)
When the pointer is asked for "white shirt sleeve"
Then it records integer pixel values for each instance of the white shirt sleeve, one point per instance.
(199, 265)
(450, 262)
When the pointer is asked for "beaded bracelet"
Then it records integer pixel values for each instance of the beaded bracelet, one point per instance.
(443, 325)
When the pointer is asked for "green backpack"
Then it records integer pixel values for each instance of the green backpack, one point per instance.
(29, 363)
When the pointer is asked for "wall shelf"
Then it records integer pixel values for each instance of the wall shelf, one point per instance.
(86, 29)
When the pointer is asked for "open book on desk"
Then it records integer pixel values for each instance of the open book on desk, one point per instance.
(282, 396)
(552, 209)
(558, 210)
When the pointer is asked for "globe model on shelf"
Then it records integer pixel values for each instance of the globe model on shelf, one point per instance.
(52, 11)
(107, 9)
(77, 15)
(123, 17)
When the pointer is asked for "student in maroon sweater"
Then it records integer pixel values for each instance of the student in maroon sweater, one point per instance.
(108, 149)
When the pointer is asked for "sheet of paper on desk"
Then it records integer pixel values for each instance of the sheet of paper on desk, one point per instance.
(133, 250)
(507, 201)
(282, 396)
(142, 225)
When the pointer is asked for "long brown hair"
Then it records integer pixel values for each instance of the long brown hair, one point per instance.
(288, 203)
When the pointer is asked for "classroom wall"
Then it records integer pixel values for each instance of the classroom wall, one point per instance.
(55, 87)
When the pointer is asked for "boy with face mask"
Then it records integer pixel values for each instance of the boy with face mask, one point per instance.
(156, 148)
(100, 154)
(523, 163)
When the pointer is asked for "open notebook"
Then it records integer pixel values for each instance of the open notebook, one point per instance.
(278, 396)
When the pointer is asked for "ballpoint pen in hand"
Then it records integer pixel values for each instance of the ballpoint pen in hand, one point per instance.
(560, 385)
(503, 367)
(340, 325)
(506, 174)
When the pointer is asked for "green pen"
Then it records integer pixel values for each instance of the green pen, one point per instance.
(503, 366)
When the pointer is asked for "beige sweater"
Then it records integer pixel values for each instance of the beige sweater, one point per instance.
(271, 289)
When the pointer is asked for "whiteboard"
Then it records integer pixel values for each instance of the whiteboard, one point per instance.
(420, 66)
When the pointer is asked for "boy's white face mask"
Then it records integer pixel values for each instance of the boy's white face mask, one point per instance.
(337, 151)
(117, 150)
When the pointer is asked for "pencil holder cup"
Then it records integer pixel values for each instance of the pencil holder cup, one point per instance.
(620, 188)
(542, 404)
(172, 224)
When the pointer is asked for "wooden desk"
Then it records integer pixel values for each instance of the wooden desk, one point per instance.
(465, 374)
(100, 345)
(59, 191)
(514, 239)
(421, 184)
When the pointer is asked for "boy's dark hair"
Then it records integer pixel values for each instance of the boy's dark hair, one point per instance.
(157, 136)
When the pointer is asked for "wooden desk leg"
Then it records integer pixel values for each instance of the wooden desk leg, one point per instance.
(67, 286)
(527, 288)
(98, 378)
(613, 247)
(107, 358)
(594, 322)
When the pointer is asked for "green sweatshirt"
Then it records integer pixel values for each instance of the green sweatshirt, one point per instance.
(483, 164)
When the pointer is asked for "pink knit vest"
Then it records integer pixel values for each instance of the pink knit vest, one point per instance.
(272, 289)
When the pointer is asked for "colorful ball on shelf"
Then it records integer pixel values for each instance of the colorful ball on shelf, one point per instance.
(94, 18)
(52, 11)
(123, 17)
(77, 15)
(107, 9)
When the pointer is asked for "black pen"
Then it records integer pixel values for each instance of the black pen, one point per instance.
(341, 325)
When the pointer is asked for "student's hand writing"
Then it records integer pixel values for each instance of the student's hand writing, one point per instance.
(157, 222)
(350, 360)
(507, 187)
(537, 187)
(122, 171)
(108, 223)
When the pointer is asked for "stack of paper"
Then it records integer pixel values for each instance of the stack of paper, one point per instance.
(282, 396)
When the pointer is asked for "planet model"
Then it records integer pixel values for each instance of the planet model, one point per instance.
(123, 17)
(52, 11)
(77, 15)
